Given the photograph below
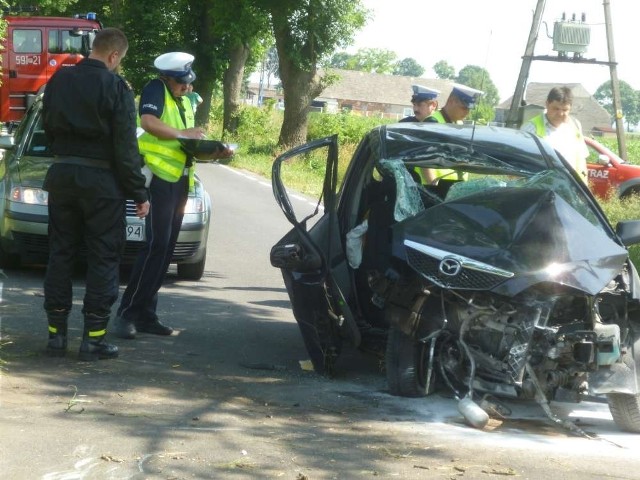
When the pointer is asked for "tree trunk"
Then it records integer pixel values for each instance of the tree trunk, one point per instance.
(232, 86)
(299, 88)
(300, 85)
(206, 81)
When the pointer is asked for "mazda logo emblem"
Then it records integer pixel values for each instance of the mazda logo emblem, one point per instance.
(450, 267)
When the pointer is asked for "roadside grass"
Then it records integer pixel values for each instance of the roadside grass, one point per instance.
(258, 134)
(633, 147)
(257, 139)
(617, 210)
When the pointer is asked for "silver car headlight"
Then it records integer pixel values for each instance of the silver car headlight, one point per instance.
(29, 195)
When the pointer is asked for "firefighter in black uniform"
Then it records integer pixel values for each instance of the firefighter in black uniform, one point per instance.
(90, 119)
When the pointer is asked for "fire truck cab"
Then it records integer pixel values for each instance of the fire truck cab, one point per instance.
(34, 48)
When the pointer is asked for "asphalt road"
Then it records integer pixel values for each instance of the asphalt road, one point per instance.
(228, 396)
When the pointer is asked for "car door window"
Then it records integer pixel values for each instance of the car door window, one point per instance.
(38, 143)
(306, 204)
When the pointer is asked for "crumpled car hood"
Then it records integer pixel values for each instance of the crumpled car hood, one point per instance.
(533, 233)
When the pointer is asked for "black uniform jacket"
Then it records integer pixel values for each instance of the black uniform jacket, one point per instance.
(89, 112)
(412, 118)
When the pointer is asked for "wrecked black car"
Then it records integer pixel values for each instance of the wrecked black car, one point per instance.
(501, 277)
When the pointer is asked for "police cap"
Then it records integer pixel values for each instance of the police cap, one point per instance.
(467, 95)
(421, 93)
(176, 65)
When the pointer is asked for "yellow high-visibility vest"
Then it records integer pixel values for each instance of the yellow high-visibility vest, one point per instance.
(165, 158)
(578, 163)
(444, 173)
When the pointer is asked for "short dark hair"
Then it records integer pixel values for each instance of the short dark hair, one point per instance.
(109, 40)
(560, 94)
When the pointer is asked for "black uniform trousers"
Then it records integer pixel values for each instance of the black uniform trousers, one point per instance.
(140, 299)
(98, 223)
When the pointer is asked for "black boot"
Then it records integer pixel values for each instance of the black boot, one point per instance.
(57, 344)
(122, 328)
(93, 346)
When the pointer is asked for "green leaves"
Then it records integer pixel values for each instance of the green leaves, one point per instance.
(629, 98)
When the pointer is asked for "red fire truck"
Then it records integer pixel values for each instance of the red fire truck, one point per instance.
(34, 48)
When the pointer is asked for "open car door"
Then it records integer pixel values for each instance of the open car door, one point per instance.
(312, 259)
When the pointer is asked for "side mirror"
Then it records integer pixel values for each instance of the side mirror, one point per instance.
(629, 232)
(7, 142)
(603, 160)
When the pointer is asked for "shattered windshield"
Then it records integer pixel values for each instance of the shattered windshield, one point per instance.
(430, 171)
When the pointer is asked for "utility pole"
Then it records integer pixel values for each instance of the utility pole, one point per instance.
(513, 116)
(615, 87)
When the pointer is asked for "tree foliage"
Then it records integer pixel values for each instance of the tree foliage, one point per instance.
(408, 67)
(478, 78)
(370, 60)
(271, 63)
(305, 33)
(629, 99)
(376, 60)
(226, 35)
(43, 7)
(221, 34)
(444, 70)
(340, 60)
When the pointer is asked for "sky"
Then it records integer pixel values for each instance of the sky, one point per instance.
(493, 34)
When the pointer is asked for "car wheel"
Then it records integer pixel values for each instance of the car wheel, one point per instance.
(625, 410)
(406, 365)
(192, 271)
(633, 191)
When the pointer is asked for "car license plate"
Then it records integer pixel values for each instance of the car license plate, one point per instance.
(135, 233)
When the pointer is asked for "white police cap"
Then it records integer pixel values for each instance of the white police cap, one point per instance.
(176, 65)
(467, 95)
(421, 93)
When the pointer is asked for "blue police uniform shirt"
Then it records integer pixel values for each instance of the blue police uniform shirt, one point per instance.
(152, 98)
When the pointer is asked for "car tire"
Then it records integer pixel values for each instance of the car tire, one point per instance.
(406, 365)
(629, 192)
(625, 410)
(192, 271)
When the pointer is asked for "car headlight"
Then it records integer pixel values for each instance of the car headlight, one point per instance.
(194, 205)
(32, 196)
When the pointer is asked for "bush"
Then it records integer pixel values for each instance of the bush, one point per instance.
(633, 147)
(350, 128)
(618, 210)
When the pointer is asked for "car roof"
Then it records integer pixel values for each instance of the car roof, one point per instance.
(397, 140)
(480, 135)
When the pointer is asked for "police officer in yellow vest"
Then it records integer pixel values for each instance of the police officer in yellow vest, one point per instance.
(165, 115)
(424, 101)
(459, 103)
(561, 130)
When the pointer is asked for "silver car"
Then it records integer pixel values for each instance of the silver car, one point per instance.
(24, 216)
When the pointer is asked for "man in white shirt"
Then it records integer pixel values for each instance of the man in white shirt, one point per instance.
(562, 131)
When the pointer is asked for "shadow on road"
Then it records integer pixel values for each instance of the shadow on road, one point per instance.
(223, 397)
